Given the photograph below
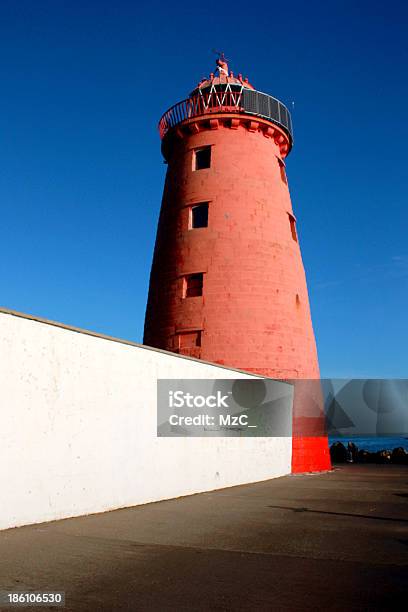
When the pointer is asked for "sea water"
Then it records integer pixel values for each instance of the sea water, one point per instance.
(373, 443)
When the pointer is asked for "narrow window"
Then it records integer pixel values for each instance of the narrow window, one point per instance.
(282, 171)
(202, 158)
(188, 340)
(292, 222)
(199, 216)
(193, 285)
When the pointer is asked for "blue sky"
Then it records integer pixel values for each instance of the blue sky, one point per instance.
(81, 174)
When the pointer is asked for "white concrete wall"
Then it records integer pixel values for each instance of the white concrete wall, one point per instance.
(78, 428)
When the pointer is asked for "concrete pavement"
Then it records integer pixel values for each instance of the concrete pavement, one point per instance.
(336, 541)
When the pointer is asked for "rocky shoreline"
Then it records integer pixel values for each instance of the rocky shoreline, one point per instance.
(340, 453)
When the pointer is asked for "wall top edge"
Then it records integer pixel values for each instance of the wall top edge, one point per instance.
(87, 332)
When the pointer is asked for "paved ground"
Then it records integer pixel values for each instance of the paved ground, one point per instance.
(334, 541)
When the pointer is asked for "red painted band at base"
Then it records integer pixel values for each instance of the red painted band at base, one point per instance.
(310, 454)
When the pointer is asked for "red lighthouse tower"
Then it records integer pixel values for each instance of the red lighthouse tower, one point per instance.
(227, 282)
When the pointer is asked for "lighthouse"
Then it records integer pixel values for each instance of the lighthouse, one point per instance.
(227, 282)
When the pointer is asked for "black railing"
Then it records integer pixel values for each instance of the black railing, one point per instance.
(245, 101)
